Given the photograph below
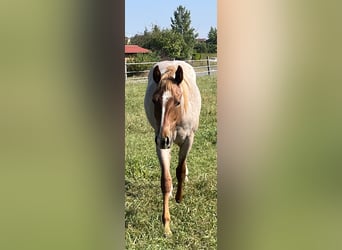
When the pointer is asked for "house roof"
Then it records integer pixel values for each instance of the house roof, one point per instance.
(133, 49)
(201, 39)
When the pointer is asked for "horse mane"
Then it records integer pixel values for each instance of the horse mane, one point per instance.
(168, 77)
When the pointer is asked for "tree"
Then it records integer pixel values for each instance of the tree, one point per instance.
(212, 40)
(175, 43)
(166, 42)
(148, 39)
(171, 44)
(181, 24)
(201, 47)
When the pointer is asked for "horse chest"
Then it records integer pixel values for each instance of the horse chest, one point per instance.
(181, 133)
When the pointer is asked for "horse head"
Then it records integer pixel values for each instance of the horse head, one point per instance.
(167, 100)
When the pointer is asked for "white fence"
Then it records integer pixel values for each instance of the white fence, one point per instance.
(202, 67)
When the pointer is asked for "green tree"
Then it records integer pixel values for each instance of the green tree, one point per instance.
(201, 47)
(149, 39)
(171, 45)
(167, 43)
(181, 24)
(212, 40)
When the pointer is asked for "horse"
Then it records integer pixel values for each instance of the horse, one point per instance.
(172, 106)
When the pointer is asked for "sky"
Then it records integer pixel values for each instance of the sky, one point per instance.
(141, 14)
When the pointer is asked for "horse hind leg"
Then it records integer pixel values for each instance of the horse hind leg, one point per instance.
(182, 170)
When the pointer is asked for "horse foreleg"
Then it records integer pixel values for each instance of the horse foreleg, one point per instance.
(166, 215)
(182, 170)
(166, 187)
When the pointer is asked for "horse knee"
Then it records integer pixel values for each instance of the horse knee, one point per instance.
(166, 186)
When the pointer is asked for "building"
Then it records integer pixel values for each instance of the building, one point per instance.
(132, 50)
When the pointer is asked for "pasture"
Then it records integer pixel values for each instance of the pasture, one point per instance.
(194, 221)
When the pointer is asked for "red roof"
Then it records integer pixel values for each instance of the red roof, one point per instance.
(133, 49)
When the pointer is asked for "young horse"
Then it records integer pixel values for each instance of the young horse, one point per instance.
(172, 105)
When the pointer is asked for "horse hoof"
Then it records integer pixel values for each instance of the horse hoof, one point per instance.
(167, 232)
(179, 196)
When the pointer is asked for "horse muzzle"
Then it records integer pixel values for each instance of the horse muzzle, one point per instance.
(163, 142)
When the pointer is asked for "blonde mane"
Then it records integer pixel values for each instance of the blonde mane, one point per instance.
(184, 85)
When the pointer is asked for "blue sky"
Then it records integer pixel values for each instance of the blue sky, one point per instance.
(141, 14)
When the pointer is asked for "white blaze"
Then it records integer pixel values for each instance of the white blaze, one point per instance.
(165, 98)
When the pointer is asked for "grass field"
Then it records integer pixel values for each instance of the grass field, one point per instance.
(194, 221)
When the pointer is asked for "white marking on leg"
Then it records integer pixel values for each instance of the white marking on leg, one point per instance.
(186, 173)
(170, 194)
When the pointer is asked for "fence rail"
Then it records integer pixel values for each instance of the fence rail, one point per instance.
(139, 71)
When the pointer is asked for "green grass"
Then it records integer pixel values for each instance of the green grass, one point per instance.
(204, 55)
(194, 221)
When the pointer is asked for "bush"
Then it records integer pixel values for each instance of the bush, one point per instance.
(196, 56)
(139, 69)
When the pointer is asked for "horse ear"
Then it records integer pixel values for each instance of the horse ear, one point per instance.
(179, 75)
(156, 74)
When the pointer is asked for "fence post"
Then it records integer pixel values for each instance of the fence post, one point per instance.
(208, 64)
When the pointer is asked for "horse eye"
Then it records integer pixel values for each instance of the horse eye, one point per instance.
(177, 103)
